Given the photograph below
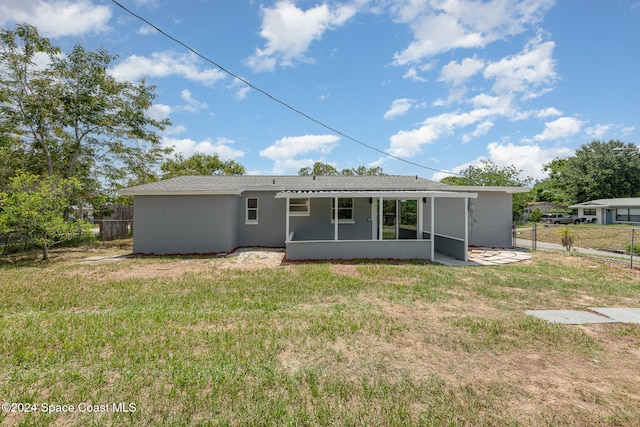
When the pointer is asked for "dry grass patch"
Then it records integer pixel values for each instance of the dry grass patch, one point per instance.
(194, 340)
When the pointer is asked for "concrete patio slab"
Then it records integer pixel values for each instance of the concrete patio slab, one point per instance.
(485, 257)
(569, 317)
(623, 315)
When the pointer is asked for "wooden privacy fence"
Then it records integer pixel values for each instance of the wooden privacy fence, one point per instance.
(117, 226)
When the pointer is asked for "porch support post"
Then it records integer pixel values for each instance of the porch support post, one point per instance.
(286, 214)
(466, 229)
(433, 231)
(335, 219)
(380, 219)
(420, 219)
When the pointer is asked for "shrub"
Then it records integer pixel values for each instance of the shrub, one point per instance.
(566, 237)
(636, 249)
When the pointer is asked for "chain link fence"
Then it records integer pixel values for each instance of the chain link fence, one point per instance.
(617, 243)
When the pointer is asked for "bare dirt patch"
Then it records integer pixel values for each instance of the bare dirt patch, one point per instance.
(121, 267)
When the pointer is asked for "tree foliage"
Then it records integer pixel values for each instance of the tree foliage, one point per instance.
(34, 207)
(200, 164)
(598, 170)
(490, 174)
(70, 117)
(324, 169)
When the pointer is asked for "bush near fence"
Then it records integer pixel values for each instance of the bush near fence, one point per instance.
(605, 241)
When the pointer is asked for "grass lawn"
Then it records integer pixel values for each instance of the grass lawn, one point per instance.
(201, 341)
(610, 237)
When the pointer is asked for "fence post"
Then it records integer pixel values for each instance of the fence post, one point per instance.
(534, 237)
(633, 248)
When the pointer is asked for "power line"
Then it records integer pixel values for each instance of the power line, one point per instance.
(273, 98)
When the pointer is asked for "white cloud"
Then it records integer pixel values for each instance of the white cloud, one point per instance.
(530, 158)
(522, 72)
(285, 150)
(548, 112)
(398, 108)
(146, 30)
(188, 147)
(289, 31)
(561, 128)
(482, 129)
(165, 64)
(598, 131)
(439, 26)
(457, 74)
(175, 130)
(412, 74)
(193, 105)
(241, 89)
(57, 18)
(409, 143)
(159, 111)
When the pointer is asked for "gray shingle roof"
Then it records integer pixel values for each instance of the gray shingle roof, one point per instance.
(629, 202)
(220, 184)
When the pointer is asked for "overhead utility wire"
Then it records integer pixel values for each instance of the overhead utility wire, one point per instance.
(273, 98)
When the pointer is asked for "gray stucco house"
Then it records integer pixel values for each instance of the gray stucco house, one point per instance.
(320, 217)
(610, 211)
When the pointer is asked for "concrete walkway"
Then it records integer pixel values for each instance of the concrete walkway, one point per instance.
(486, 256)
(594, 315)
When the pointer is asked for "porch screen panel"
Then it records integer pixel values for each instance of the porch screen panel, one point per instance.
(408, 219)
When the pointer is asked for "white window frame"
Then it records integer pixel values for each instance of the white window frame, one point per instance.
(343, 220)
(304, 204)
(251, 209)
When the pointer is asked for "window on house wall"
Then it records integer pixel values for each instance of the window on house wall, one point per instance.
(591, 212)
(299, 207)
(628, 215)
(252, 211)
(345, 210)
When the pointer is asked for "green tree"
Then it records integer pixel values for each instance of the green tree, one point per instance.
(34, 207)
(320, 169)
(71, 118)
(362, 171)
(536, 215)
(200, 164)
(490, 174)
(598, 170)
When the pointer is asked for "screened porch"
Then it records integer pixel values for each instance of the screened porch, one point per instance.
(376, 224)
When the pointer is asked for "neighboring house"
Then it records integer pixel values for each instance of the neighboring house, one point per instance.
(545, 207)
(320, 217)
(610, 211)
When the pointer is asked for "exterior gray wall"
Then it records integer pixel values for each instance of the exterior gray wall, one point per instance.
(374, 249)
(449, 217)
(453, 247)
(490, 220)
(185, 224)
(318, 226)
(271, 227)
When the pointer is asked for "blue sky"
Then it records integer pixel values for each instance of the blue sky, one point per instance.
(441, 83)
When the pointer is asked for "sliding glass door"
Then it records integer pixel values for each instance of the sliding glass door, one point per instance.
(399, 219)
